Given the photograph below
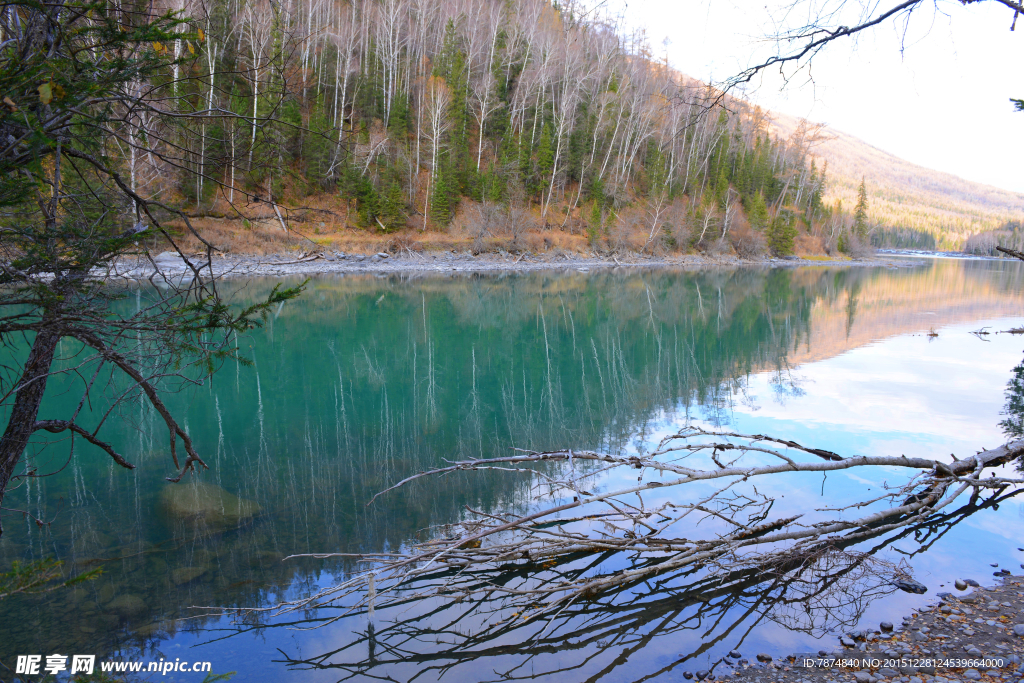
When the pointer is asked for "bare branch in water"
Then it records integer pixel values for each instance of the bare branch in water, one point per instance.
(552, 557)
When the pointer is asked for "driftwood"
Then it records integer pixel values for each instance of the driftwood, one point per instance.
(551, 559)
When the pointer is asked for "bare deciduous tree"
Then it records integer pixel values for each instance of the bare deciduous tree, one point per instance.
(438, 98)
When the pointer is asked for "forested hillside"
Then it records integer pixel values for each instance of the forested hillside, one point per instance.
(906, 200)
(505, 121)
(507, 124)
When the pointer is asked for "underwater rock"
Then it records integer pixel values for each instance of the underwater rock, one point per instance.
(207, 502)
(127, 605)
(183, 575)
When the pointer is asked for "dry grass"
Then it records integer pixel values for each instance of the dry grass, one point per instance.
(808, 245)
(322, 223)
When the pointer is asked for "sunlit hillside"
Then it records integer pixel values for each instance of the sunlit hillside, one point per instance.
(904, 195)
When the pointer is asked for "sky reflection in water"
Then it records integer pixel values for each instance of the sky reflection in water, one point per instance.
(857, 375)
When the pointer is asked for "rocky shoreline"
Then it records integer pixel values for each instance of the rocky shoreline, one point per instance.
(170, 264)
(972, 636)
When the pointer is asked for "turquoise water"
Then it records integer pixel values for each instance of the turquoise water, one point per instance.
(365, 380)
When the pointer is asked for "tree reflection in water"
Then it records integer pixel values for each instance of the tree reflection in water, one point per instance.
(420, 636)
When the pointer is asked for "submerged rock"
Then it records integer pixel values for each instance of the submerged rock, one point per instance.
(183, 575)
(127, 605)
(208, 502)
(961, 585)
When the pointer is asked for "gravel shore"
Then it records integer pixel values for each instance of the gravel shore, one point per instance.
(171, 264)
(971, 636)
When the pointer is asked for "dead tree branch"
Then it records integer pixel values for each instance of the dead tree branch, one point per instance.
(711, 486)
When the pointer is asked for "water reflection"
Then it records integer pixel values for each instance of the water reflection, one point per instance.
(366, 380)
(823, 591)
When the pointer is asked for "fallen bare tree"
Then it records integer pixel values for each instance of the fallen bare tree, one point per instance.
(610, 567)
(826, 591)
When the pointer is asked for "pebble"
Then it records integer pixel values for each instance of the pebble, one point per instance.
(961, 585)
(886, 626)
(702, 674)
(863, 677)
(687, 675)
(1018, 629)
(845, 640)
(972, 675)
(888, 673)
(762, 657)
(972, 582)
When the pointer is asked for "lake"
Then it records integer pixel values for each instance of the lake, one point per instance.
(367, 379)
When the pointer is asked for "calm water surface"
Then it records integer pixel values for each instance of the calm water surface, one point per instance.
(365, 380)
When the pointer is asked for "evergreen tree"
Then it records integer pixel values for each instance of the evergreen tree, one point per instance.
(781, 234)
(757, 212)
(440, 202)
(860, 212)
(392, 207)
(70, 75)
(1013, 425)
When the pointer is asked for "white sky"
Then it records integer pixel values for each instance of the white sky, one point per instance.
(943, 103)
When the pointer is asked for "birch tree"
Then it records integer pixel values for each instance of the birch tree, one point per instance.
(438, 98)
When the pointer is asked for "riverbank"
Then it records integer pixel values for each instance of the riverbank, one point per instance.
(962, 638)
(171, 264)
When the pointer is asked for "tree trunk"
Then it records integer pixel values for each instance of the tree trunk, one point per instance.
(28, 397)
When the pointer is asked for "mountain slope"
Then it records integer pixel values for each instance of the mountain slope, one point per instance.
(904, 195)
